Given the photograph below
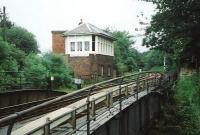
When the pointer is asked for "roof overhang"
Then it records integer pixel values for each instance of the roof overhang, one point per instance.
(86, 34)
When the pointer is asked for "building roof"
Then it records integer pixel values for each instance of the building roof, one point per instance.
(88, 29)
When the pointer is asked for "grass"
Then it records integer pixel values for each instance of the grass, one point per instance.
(159, 69)
(187, 103)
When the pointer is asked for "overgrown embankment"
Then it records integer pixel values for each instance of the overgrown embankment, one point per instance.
(181, 110)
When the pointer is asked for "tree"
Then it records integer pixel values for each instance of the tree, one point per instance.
(22, 39)
(4, 49)
(35, 71)
(153, 58)
(4, 20)
(175, 29)
(7, 63)
(126, 57)
(39, 69)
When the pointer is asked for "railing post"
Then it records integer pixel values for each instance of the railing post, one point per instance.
(88, 115)
(10, 127)
(126, 91)
(107, 100)
(73, 115)
(144, 84)
(93, 109)
(155, 77)
(120, 95)
(150, 80)
(138, 87)
(88, 111)
(120, 105)
(111, 99)
(47, 127)
(147, 83)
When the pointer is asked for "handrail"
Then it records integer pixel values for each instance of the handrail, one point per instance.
(102, 97)
(16, 115)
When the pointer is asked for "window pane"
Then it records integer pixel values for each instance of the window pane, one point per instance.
(79, 46)
(87, 45)
(72, 46)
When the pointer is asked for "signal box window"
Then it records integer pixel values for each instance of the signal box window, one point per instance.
(79, 46)
(72, 46)
(87, 45)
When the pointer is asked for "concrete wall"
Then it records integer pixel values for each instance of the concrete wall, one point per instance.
(25, 96)
(133, 120)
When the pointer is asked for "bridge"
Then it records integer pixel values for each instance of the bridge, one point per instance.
(120, 106)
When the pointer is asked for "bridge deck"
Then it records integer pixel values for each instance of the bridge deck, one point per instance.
(53, 115)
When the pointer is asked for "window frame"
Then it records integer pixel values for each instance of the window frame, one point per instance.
(72, 47)
(86, 48)
(79, 46)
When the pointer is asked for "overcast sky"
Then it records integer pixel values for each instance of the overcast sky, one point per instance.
(42, 16)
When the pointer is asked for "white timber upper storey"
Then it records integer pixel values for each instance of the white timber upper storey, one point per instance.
(88, 39)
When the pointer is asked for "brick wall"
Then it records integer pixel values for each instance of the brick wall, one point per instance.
(58, 42)
(85, 67)
(106, 61)
(80, 65)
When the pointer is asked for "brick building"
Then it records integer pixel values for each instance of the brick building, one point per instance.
(88, 49)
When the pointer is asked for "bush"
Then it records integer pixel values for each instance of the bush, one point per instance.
(35, 71)
(58, 68)
(39, 69)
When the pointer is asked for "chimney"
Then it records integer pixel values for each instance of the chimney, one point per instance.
(81, 22)
(58, 42)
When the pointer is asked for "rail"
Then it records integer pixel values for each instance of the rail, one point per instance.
(134, 83)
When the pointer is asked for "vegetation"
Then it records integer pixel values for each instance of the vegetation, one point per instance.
(180, 115)
(153, 58)
(57, 67)
(22, 39)
(19, 52)
(127, 58)
(39, 69)
(174, 29)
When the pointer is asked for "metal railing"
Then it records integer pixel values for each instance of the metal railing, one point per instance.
(130, 85)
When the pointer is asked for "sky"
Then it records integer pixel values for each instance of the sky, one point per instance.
(42, 16)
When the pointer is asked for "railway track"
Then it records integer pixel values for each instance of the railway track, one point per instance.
(60, 103)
